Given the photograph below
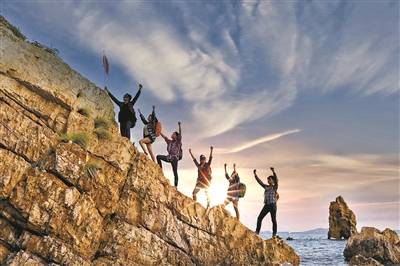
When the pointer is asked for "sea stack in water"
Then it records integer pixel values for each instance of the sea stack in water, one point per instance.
(71, 196)
(373, 247)
(342, 221)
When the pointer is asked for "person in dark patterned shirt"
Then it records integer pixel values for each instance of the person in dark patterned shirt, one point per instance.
(174, 148)
(270, 198)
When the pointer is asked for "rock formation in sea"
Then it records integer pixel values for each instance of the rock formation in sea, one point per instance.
(342, 221)
(382, 247)
(73, 192)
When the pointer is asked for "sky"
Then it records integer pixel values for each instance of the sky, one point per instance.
(309, 87)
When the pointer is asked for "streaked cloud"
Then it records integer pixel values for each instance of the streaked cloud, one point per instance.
(248, 62)
(250, 144)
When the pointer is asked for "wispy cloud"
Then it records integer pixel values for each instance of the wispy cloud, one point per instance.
(248, 62)
(250, 144)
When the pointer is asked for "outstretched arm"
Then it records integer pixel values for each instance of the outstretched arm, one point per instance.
(164, 137)
(275, 177)
(258, 179)
(137, 94)
(115, 100)
(211, 156)
(226, 173)
(194, 159)
(153, 113)
(179, 128)
(143, 118)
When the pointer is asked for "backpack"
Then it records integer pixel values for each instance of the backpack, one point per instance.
(158, 128)
(132, 117)
(242, 190)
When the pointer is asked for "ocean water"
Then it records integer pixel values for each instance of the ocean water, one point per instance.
(314, 248)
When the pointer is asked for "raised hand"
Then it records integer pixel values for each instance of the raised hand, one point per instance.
(255, 171)
(140, 86)
(272, 169)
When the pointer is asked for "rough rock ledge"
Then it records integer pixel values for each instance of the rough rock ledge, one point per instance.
(373, 247)
(88, 198)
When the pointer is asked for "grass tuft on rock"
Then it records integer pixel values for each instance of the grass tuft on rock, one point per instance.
(63, 137)
(91, 169)
(80, 94)
(16, 31)
(102, 122)
(102, 133)
(80, 138)
(84, 111)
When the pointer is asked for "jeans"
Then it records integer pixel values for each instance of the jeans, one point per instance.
(174, 163)
(125, 128)
(265, 210)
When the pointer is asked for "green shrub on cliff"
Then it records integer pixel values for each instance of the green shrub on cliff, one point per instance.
(51, 50)
(102, 122)
(14, 29)
(102, 133)
(84, 111)
(80, 138)
(63, 137)
(91, 169)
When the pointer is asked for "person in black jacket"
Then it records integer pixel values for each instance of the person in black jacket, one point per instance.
(271, 196)
(126, 116)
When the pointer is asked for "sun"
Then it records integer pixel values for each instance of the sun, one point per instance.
(217, 192)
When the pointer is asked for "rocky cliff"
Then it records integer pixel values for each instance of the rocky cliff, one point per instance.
(342, 221)
(373, 247)
(73, 192)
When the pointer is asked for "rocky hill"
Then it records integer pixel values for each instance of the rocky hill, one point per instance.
(73, 192)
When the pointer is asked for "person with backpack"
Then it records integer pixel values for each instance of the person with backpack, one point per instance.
(271, 196)
(126, 116)
(233, 193)
(150, 129)
(203, 174)
(174, 148)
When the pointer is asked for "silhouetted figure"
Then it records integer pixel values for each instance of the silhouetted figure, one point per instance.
(270, 198)
(233, 190)
(126, 116)
(204, 174)
(174, 148)
(149, 132)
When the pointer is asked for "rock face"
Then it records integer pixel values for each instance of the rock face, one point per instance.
(373, 245)
(342, 221)
(87, 199)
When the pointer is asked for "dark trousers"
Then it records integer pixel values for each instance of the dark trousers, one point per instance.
(265, 210)
(173, 162)
(125, 128)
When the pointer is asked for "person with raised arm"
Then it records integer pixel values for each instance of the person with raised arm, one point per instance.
(271, 196)
(174, 149)
(149, 132)
(203, 174)
(126, 116)
(233, 189)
